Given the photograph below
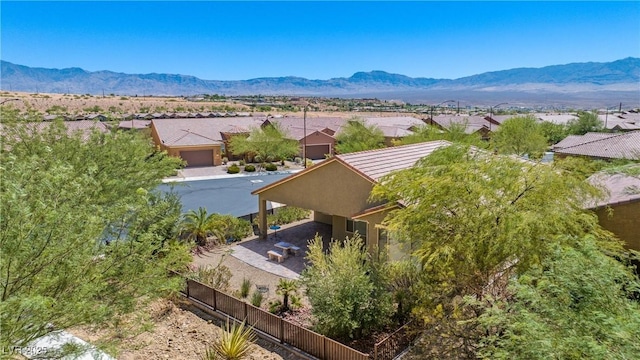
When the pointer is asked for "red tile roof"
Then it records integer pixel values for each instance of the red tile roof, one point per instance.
(377, 163)
(608, 146)
(621, 188)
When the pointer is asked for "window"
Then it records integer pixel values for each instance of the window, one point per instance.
(359, 226)
(349, 225)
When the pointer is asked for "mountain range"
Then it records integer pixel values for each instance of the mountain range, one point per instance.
(590, 83)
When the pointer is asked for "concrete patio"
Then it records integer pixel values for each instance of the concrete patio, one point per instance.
(253, 251)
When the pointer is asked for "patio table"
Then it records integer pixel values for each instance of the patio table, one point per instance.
(285, 246)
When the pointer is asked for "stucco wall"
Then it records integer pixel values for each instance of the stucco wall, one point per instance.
(322, 218)
(331, 189)
(624, 222)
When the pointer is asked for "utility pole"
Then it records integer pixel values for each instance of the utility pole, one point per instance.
(304, 139)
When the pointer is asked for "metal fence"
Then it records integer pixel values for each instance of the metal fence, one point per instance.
(286, 332)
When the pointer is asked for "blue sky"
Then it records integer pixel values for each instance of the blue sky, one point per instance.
(316, 40)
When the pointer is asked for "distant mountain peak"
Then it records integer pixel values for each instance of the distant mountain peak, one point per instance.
(618, 80)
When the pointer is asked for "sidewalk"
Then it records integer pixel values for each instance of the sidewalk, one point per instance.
(220, 172)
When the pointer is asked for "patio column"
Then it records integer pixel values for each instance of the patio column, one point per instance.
(262, 217)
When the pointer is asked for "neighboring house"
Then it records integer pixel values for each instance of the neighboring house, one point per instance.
(606, 146)
(558, 119)
(622, 121)
(134, 124)
(317, 133)
(83, 127)
(472, 124)
(395, 128)
(619, 212)
(199, 142)
(338, 189)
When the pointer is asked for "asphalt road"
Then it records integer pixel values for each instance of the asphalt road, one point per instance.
(224, 196)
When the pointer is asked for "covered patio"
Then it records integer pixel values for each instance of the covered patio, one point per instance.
(254, 251)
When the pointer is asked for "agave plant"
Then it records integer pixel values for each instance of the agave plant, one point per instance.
(233, 344)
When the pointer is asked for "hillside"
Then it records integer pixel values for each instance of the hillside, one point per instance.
(577, 83)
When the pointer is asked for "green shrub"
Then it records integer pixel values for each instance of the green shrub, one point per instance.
(215, 276)
(271, 167)
(347, 289)
(244, 288)
(233, 169)
(275, 306)
(242, 163)
(257, 298)
(249, 168)
(287, 215)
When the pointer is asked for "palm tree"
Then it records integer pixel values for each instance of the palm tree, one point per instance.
(197, 225)
(286, 288)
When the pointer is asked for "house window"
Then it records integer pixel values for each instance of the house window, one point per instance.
(350, 225)
(359, 226)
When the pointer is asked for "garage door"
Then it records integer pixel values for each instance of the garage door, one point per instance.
(198, 157)
(316, 152)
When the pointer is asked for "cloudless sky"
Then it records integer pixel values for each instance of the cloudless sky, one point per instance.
(316, 40)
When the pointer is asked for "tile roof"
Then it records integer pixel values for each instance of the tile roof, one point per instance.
(375, 164)
(134, 124)
(402, 122)
(473, 123)
(614, 146)
(621, 188)
(82, 127)
(573, 140)
(556, 118)
(201, 131)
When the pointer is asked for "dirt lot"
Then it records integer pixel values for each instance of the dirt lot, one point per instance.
(115, 104)
(177, 333)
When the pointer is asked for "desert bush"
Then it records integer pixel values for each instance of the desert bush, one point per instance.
(244, 288)
(225, 160)
(229, 228)
(242, 162)
(233, 169)
(286, 215)
(257, 298)
(271, 167)
(347, 289)
(217, 276)
(275, 306)
(249, 168)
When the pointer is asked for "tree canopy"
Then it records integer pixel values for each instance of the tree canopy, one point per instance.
(84, 236)
(358, 136)
(478, 222)
(586, 122)
(520, 135)
(577, 304)
(455, 133)
(268, 143)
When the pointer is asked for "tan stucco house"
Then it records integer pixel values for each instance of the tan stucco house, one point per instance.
(338, 189)
(619, 212)
(199, 141)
